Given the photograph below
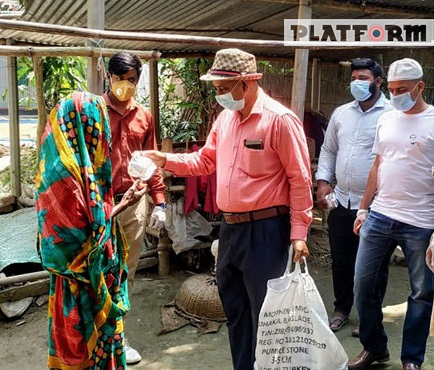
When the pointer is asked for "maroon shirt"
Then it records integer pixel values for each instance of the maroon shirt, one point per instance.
(132, 131)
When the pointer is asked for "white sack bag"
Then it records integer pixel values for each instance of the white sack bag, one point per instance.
(293, 328)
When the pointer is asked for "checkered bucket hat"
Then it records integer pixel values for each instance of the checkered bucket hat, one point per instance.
(232, 64)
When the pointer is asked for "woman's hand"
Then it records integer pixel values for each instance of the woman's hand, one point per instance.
(131, 196)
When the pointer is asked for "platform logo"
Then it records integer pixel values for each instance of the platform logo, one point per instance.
(357, 30)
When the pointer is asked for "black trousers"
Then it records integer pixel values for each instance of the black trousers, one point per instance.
(249, 255)
(343, 247)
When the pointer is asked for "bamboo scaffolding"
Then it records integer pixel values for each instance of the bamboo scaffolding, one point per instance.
(14, 128)
(25, 26)
(301, 64)
(63, 51)
(42, 114)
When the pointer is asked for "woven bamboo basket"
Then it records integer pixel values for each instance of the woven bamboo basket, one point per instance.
(198, 297)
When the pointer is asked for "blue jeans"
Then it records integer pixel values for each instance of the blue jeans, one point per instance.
(378, 237)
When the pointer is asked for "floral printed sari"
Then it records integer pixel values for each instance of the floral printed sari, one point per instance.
(79, 243)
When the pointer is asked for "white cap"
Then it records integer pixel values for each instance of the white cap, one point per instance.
(404, 70)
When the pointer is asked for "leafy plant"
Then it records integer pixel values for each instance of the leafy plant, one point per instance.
(61, 76)
(274, 69)
(187, 105)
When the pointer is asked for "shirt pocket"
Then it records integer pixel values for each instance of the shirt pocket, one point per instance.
(137, 137)
(253, 162)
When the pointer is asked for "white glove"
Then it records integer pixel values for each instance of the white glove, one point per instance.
(362, 215)
(158, 217)
(430, 254)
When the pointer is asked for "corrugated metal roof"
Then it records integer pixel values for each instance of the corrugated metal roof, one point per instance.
(425, 6)
(244, 19)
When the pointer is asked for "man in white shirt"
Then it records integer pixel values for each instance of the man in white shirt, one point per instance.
(347, 154)
(400, 195)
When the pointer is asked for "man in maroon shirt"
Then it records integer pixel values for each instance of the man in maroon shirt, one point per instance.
(132, 129)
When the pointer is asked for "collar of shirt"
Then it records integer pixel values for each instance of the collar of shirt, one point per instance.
(380, 103)
(257, 108)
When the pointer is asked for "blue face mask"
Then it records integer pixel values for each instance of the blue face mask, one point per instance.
(403, 102)
(360, 90)
(227, 101)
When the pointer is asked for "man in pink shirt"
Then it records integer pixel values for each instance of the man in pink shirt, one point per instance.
(258, 148)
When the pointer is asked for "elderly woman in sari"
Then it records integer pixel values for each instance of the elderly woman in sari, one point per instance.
(79, 239)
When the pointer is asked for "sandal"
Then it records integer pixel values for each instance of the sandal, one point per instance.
(338, 321)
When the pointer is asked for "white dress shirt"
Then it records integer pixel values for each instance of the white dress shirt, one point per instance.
(347, 149)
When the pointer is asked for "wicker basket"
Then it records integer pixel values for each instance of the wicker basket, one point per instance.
(198, 297)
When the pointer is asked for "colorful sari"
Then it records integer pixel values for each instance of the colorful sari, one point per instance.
(81, 246)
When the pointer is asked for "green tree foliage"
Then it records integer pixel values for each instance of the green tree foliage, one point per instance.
(187, 105)
(61, 76)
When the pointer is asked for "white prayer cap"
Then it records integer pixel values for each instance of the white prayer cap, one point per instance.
(404, 70)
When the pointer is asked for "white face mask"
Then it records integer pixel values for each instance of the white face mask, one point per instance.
(360, 90)
(403, 102)
(227, 101)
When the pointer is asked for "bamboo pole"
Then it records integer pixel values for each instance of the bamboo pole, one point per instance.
(315, 97)
(301, 65)
(25, 26)
(154, 97)
(64, 51)
(164, 243)
(24, 278)
(42, 114)
(30, 289)
(14, 127)
(95, 65)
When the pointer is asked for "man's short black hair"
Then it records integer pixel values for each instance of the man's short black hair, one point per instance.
(367, 63)
(123, 62)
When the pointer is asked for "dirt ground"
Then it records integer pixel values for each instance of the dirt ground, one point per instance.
(23, 340)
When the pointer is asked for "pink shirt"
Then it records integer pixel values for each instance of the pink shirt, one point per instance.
(132, 131)
(250, 179)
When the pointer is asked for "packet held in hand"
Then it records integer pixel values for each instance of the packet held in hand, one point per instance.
(141, 167)
(331, 200)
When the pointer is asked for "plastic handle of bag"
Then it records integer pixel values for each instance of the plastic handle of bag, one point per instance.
(306, 270)
(290, 256)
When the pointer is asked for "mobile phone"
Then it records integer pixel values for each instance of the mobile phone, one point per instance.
(253, 144)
